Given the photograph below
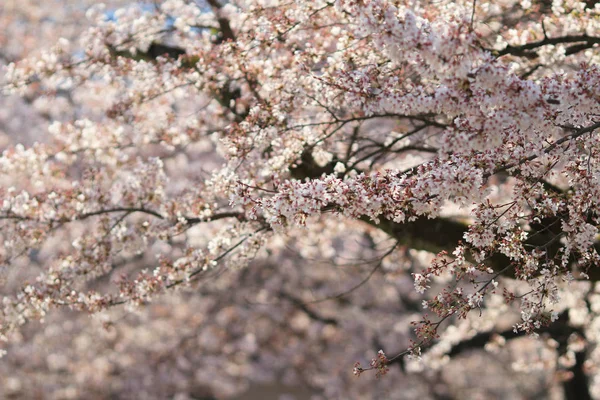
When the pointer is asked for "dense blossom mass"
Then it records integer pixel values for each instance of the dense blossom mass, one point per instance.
(248, 191)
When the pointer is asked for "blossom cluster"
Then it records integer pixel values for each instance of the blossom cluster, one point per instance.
(179, 143)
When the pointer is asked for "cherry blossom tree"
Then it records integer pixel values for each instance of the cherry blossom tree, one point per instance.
(248, 191)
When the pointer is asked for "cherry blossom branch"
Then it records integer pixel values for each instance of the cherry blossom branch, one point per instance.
(548, 149)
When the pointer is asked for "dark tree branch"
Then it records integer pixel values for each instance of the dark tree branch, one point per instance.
(577, 388)
(304, 308)
(225, 27)
(528, 50)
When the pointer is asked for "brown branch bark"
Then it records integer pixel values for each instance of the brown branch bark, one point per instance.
(528, 50)
(224, 26)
